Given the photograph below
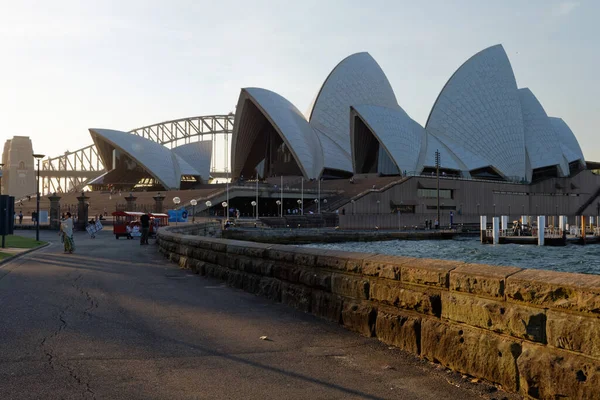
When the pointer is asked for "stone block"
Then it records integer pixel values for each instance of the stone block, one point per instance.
(197, 266)
(270, 288)
(297, 296)
(354, 287)
(359, 317)
(481, 279)
(280, 252)
(384, 266)
(235, 279)
(251, 283)
(305, 256)
(574, 332)
(471, 351)
(286, 272)
(558, 290)
(315, 278)
(423, 300)
(400, 329)
(428, 272)
(249, 249)
(498, 316)
(342, 261)
(547, 373)
(327, 305)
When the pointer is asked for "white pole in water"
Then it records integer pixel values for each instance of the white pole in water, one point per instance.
(541, 223)
(482, 227)
(504, 222)
(496, 230)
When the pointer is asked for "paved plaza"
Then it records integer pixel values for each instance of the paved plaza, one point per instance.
(117, 321)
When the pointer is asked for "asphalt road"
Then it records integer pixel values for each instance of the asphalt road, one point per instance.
(116, 321)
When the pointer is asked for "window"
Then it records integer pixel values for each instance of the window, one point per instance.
(432, 193)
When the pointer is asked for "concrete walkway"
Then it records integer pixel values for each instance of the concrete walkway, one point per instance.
(116, 321)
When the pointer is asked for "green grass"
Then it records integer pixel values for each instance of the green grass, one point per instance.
(21, 242)
(4, 255)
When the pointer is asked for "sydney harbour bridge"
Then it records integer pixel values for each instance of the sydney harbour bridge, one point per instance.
(72, 170)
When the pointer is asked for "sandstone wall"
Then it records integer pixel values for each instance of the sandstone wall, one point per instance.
(533, 332)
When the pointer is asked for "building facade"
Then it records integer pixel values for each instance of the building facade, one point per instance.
(18, 172)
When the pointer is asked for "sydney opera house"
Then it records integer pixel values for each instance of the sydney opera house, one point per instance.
(482, 124)
(485, 129)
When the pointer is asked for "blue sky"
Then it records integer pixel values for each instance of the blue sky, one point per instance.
(70, 65)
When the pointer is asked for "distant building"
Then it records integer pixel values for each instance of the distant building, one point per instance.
(18, 172)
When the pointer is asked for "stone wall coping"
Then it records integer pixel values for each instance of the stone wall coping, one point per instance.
(485, 270)
(571, 279)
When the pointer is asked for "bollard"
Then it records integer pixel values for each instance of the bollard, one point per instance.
(541, 223)
(496, 230)
(482, 227)
(504, 222)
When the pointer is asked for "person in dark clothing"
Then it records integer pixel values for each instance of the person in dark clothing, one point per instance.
(145, 221)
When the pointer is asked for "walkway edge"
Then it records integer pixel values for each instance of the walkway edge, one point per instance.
(14, 257)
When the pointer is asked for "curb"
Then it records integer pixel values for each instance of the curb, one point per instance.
(14, 257)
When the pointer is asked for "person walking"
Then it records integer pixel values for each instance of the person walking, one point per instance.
(145, 221)
(20, 217)
(67, 232)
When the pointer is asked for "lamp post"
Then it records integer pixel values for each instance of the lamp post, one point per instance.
(378, 207)
(302, 197)
(254, 203)
(324, 201)
(176, 201)
(38, 157)
(224, 204)
(300, 205)
(193, 202)
(208, 206)
(319, 197)
(494, 209)
(478, 209)
(1, 177)
(353, 202)
(279, 208)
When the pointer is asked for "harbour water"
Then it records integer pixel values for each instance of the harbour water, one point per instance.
(571, 258)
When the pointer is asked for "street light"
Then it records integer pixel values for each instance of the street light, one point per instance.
(352, 201)
(378, 207)
(254, 208)
(1, 176)
(176, 200)
(38, 157)
(193, 202)
(478, 209)
(300, 205)
(494, 210)
(208, 206)
(224, 204)
(280, 207)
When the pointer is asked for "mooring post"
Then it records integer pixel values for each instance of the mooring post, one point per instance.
(504, 222)
(541, 224)
(482, 227)
(496, 230)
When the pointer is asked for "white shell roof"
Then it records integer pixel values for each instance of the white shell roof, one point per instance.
(479, 109)
(541, 140)
(447, 158)
(399, 135)
(158, 160)
(357, 79)
(568, 142)
(291, 125)
(197, 155)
